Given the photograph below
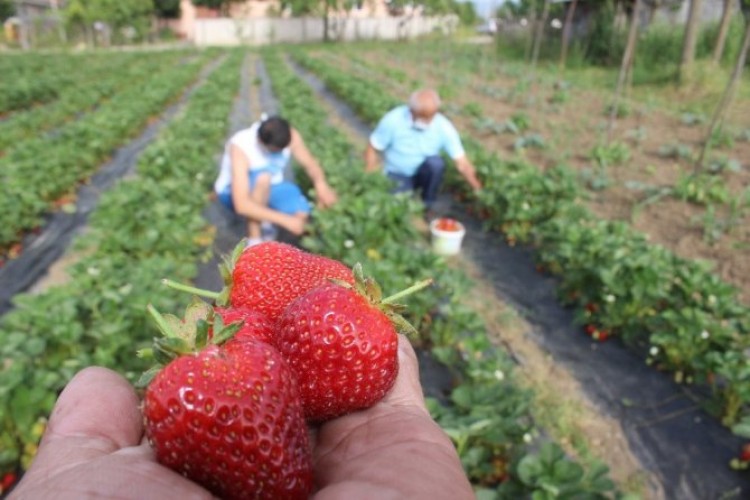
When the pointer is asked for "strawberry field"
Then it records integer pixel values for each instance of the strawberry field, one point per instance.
(596, 321)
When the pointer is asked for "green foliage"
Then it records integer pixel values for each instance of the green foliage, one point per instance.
(549, 475)
(221, 5)
(692, 119)
(733, 43)
(614, 153)
(466, 12)
(168, 9)
(487, 416)
(99, 316)
(473, 110)
(676, 151)
(7, 9)
(604, 44)
(75, 153)
(702, 189)
(116, 13)
(721, 138)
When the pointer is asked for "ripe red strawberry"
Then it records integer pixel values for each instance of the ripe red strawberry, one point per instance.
(255, 325)
(229, 417)
(8, 480)
(341, 342)
(745, 453)
(267, 277)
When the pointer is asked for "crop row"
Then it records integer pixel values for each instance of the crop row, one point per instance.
(147, 227)
(94, 85)
(32, 79)
(486, 413)
(48, 167)
(677, 312)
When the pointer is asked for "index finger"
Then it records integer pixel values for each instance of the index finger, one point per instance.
(407, 389)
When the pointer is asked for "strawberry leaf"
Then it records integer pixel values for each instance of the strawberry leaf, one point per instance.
(201, 334)
(146, 377)
(403, 326)
(226, 333)
(374, 292)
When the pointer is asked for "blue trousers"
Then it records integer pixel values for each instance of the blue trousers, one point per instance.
(426, 180)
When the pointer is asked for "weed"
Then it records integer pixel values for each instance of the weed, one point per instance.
(615, 153)
(702, 189)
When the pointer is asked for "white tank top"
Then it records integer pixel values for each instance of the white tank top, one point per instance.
(258, 158)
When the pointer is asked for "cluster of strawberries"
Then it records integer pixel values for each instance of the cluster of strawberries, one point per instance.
(447, 224)
(295, 338)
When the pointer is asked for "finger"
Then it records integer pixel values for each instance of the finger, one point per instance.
(97, 413)
(407, 390)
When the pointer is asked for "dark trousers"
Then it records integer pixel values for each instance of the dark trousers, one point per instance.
(426, 180)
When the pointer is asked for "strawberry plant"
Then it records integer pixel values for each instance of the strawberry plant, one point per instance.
(77, 151)
(614, 153)
(549, 475)
(472, 109)
(701, 189)
(488, 417)
(97, 317)
(676, 151)
(535, 141)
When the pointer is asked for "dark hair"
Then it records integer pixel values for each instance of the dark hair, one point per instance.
(275, 132)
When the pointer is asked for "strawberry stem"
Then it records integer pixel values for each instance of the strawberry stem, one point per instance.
(403, 293)
(190, 289)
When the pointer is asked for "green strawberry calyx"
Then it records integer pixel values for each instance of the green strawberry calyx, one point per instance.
(181, 337)
(370, 290)
(225, 269)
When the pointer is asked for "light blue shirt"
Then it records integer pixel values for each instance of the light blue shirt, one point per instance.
(405, 147)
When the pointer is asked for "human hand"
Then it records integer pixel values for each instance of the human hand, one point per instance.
(325, 194)
(93, 448)
(295, 224)
(393, 449)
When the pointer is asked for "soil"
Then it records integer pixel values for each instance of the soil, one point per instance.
(573, 128)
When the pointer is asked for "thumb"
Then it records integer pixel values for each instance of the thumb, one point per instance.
(96, 414)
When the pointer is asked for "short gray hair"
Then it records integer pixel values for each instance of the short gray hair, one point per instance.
(415, 103)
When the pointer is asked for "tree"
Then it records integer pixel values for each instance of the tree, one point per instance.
(726, 99)
(690, 40)
(220, 5)
(726, 17)
(117, 14)
(567, 30)
(167, 9)
(626, 65)
(7, 9)
(539, 35)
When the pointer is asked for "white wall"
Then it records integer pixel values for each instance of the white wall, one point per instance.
(225, 31)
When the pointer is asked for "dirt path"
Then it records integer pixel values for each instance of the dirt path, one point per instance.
(579, 425)
(572, 129)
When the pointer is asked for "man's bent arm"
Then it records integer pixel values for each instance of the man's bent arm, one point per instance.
(372, 160)
(466, 169)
